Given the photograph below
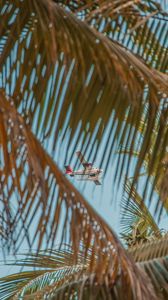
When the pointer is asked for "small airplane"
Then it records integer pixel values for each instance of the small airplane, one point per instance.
(88, 173)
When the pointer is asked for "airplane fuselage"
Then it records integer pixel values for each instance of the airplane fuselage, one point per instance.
(93, 171)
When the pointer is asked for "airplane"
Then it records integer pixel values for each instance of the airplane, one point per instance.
(88, 173)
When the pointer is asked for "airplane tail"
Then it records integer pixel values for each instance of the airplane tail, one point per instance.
(69, 170)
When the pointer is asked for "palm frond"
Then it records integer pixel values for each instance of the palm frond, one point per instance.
(136, 219)
(35, 178)
(156, 248)
(140, 26)
(53, 192)
(157, 270)
(59, 73)
(107, 71)
(3, 233)
(56, 280)
(34, 282)
(159, 170)
(152, 257)
(54, 267)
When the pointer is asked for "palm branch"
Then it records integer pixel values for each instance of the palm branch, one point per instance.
(63, 80)
(137, 223)
(157, 178)
(58, 277)
(59, 52)
(139, 26)
(152, 257)
(85, 225)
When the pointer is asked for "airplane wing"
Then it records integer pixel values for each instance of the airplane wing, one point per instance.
(83, 161)
(97, 182)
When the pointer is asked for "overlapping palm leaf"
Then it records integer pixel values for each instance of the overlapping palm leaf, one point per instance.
(58, 277)
(70, 76)
(152, 257)
(140, 26)
(137, 223)
(30, 176)
(61, 75)
(53, 267)
(159, 169)
(54, 207)
(154, 249)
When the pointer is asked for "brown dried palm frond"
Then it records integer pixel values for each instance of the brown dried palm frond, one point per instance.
(61, 75)
(91, 78)
(43, 196)
(159, 168)
(140, 26)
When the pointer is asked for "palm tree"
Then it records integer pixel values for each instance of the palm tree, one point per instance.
(94, 74)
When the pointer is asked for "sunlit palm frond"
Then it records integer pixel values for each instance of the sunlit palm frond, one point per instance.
(87, 289)
(157, 270)
(140, 26)
(156, 248)
(85, 70)
(136, 220)
(152, 257)
(58, 277)
(54, 267)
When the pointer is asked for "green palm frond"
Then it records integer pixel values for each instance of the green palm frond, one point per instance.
(85, 70)
(54, 267)
(137, 223)
(157, 270)
(153, 249)
(152, 257)
(60, 281)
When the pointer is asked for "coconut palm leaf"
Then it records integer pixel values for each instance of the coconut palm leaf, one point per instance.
(53, 267)
(159, 172)
(136, 215)
(3, 233)
(152, 257)
(137, 25)
(61, 75)
(156, 248)
(58, 278)
(78, 94)
(61, 280)
(107, 257)
(157, 269)
(35, 178)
